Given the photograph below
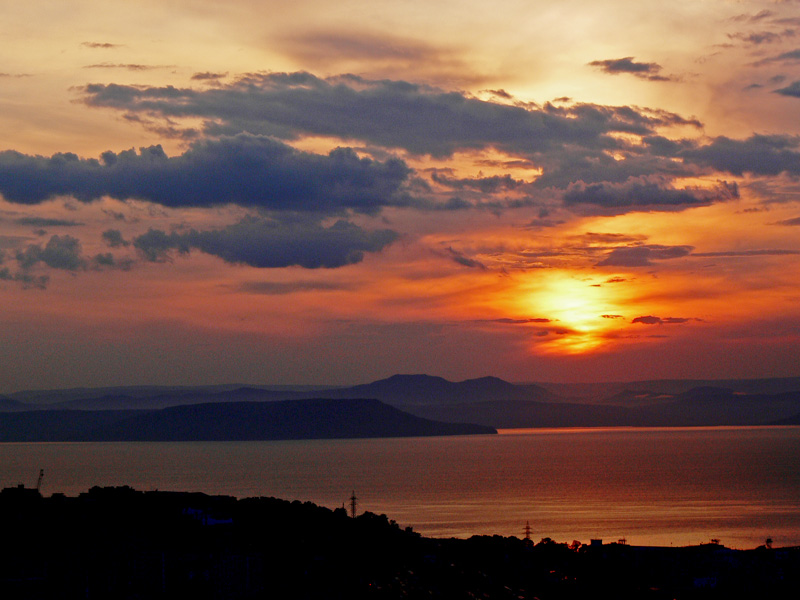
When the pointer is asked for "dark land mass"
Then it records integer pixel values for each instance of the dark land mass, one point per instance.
(285, 420)
(121, 543)
(493, 402)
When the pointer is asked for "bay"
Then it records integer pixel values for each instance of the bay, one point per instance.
(663, 487)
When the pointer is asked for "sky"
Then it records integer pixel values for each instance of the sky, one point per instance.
(195, 192)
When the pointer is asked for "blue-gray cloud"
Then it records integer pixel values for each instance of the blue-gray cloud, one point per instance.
(758, 154)
(61, 252)
(649, 71)
(394, 114)
(642, 256)
(641, 192)
(793, 89)
(266, 243)
(253, 171)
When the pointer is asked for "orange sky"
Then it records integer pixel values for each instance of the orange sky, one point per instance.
(197, 193)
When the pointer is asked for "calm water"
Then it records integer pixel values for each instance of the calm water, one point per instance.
(651, 486)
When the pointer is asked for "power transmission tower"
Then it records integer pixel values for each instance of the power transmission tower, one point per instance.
(527, 530)
(353, 504)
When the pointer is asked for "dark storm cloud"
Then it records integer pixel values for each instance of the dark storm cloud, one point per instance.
(418, 118)
(758, 154)
(649, 71)
(642, 192)
(793, 89)
(252, 171)
(642, 256)
(44, 222)
(61, 252)
(265, 243)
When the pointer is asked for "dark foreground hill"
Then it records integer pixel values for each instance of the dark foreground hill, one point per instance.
(286, 420)
(121, 543)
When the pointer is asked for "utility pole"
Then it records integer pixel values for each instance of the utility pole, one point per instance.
(353, 504)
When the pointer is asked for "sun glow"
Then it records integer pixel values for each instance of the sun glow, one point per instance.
(582, 312)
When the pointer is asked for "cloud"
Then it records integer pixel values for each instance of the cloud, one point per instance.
(61, 252)
(643, 192)
(266, 243)
(208, 76)
(786, 57)
(128, 66)
(789, 222)
(44, 222)
(252, 171)
(616, 66)
(27, 280)
(275, 288)
(642, 256)
(738, 253)
(487, 185)
(758, 154)
(393, 114)
(464, 261)
(793, 89)
(103, 45)
(760, 37)
(113, 237)
(651, 320)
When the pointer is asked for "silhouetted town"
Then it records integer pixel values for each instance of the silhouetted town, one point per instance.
(123, 543)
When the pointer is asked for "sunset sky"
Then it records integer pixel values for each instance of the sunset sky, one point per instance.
(197, 192)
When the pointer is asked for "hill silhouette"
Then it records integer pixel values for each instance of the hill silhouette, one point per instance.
(283, 420)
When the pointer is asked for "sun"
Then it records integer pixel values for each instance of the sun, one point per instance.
(582, 311)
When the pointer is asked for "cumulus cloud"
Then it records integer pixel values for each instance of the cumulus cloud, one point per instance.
(265, 243)
(395, 114)
(488, 185)
(758, 154)
(642, 256)
(649, 71)
(61, 252)
(252, 171)
(113, 237)
(643, 192)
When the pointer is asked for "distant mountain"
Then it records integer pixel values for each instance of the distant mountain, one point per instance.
(420, 390)
(493, 402)
(283, 420)
(11, 405)
(603, 392)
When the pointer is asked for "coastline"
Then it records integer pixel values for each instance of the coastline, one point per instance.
(120, 542)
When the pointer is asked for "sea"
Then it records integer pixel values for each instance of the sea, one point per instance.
(646, 486)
